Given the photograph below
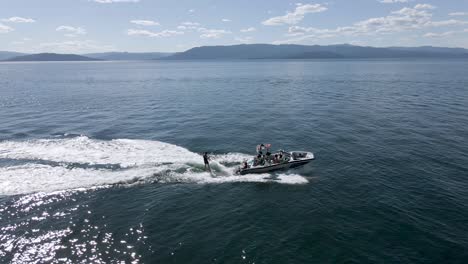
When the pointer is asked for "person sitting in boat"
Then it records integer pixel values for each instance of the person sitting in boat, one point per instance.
(257, 160)
(244, 165)
(269, 158)
(275, 159)
(261, 159)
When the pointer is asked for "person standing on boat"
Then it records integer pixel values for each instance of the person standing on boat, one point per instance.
(260, 149)
(206, 161)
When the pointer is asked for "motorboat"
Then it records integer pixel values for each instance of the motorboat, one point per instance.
(269, 162)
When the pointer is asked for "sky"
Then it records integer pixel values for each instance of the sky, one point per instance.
(84, 26)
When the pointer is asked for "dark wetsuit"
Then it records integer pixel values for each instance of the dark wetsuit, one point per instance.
(207, 164)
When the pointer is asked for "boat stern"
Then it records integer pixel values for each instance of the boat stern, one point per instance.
(302, 155)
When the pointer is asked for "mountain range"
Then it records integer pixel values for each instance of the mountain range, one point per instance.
(254, 51)
(51, 57)
(128, 55)
(267, 51)
(5, 55)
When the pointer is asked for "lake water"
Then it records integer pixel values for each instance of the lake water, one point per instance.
(100, 162)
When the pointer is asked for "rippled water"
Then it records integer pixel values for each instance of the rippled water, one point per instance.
(100, 162)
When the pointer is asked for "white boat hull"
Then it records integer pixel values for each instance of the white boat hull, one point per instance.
(278, 166)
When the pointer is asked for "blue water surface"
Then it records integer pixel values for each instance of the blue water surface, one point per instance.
(79, 185)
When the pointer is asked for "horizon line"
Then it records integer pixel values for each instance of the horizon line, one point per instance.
(243, 44)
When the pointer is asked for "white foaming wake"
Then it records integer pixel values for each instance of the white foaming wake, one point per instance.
(138, 161)
(282, 178)
(125, 152)
(44, 178)
(231, 157)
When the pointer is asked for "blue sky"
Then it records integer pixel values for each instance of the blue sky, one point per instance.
(81, 26)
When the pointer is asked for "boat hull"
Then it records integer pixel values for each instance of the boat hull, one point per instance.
(275, 167)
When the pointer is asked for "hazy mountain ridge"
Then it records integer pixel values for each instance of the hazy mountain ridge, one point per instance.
(254, 51)
(5, 55)
(51, 57)
(290, 51)
(128, 55)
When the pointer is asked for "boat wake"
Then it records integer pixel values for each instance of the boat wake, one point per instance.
(47, 165)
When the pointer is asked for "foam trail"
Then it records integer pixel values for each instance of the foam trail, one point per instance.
(292, 179)
(204, 178)
(126, 152)
(43, 178)
(49, 165)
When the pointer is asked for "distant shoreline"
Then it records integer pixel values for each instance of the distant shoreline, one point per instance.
(256, 52)
(245, 60)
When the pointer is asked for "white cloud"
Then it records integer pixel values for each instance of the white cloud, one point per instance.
(302, 38)
(405, 19)
(296, 30)
(169, 33)
(250, 29)
(459, 14)
(401, 20)
(191, 11)
(20, 42)
(5, 28)
(147, 33)
(393, 1)
(74, 47)
(205, 32)
(424, 6)
(19, 20)
(296, 16)
(140, 32)
(188, 26)
(17, 43)
(71, 31)
(145, 22)
(450, 22)
(244, 39)
(226, 20)
(439, 35)
(212, 33)
(115, 1)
